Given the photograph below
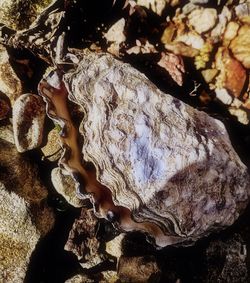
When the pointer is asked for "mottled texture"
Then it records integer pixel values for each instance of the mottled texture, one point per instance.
(28, 121)
(10, 84)
(20, 176)
(167, 162)
(82, 240)
(240, 46)
(65, 185)
(138, 269)
(227, 260)
(18, 236)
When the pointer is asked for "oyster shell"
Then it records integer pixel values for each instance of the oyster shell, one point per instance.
(162, 166)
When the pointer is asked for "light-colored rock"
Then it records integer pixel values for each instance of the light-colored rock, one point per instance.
(240, 46)
(20, 176)
(138, 269)
(224, 96)
(241, 115)
(18, 236)
(109, 276)
(203, 19)
(52, 149)
(80, 278)
(10, 84)
(114, 247)
(65, 185)
(20, 14)
(115, 33)
(28, 121)
(156, 6)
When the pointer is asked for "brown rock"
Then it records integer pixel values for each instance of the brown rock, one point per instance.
(240, 46)
(4, 106)
(65, 185)
(21, 177)
(10, 84)
(138, 269)
(28, 121)
(82, 240)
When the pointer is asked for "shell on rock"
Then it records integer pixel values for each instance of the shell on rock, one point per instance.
(171, 166)
(28, 121)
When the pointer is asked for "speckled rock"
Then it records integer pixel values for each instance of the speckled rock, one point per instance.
(227, 260)
(20, 176)
(28, 121)
(65, 185)
(138, 269)
(10, 84)
(18, 236)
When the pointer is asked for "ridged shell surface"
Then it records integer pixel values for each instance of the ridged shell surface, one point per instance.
(167, 162)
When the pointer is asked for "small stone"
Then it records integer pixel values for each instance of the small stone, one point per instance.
(51, 150)
(223, 96)
(6, 133)
(203, 19)
(28, 121)
(65, 185)
(82, 240)
(114, 247)
(209, 74)
(231, 254)
(109, 276)
(138, 269)
(241, 115)
(230, 32)
(10, 84)
(240, 46)
(4, 107)
(115, 33)
(80, 278)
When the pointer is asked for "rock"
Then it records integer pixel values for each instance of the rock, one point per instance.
(6, 133)
(18, 236)
(28, 121)
(52, 149)
(109, 276)
(114, 247)
(227, 260)
(4, 106)
(65, 185)
(20, 14)
(80, 278)
(240, 46)
(115, 33)
(243, 12)
(21, 177)
(138, 269)
(241, 115)
(223, 96)
(232, 74)
(10, 84)
(203, 19)
(209, 74)
(82, 240)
